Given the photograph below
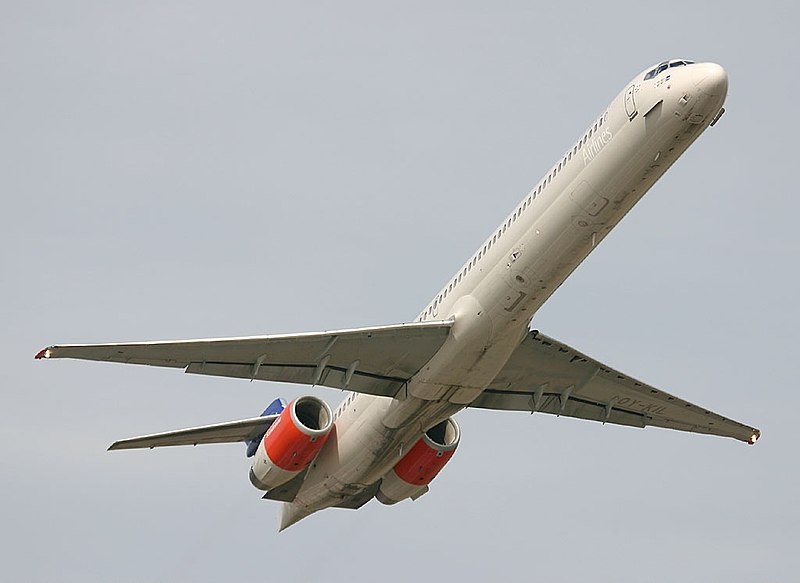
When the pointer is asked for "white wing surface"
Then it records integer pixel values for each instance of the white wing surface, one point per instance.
(376, 361)
(547, 376)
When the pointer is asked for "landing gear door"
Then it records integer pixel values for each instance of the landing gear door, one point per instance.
(630, 104)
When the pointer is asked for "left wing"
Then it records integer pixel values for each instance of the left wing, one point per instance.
(230, 432)
(545, 375)
(376, 361)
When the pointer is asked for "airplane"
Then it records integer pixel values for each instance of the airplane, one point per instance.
(472, 345)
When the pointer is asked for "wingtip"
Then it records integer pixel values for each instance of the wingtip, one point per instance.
(44, 353)
(755, 437)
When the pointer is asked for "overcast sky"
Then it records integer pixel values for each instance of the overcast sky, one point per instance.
(195, 169)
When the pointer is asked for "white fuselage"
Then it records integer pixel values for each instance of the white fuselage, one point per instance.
(494, 296)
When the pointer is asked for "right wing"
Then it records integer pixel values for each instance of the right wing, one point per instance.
(230, 432)
(376, 361)
(547, 376)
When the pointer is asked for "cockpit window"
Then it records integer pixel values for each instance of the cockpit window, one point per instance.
(661, 67)
(655, 71)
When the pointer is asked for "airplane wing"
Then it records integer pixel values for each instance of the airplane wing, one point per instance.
(230, 432)
(376, 361)
(547, 376)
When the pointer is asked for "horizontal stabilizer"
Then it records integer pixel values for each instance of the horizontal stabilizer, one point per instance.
(229, 432)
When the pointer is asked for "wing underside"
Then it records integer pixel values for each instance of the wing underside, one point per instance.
(542, 375)
(375, 361)
(547, 376)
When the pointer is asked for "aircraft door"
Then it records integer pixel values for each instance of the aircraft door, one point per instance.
(630, 104)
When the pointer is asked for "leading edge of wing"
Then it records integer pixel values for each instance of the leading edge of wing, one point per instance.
(121, 351)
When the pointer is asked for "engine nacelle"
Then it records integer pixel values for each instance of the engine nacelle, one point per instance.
(292, 442)
(411, 475)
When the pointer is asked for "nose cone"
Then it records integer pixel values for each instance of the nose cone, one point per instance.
(711, 79)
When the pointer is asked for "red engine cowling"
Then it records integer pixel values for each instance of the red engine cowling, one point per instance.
(411, 475)
(292, 442)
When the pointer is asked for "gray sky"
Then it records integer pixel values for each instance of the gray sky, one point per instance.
(195, 169)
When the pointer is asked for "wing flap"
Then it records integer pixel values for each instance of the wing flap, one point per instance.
(229, 432)
(545, 375)
(332, 376)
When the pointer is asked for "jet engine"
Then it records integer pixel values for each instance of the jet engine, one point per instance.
(292, 442)
(411, 475)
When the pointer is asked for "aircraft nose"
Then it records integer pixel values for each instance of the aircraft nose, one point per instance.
(711, 79)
